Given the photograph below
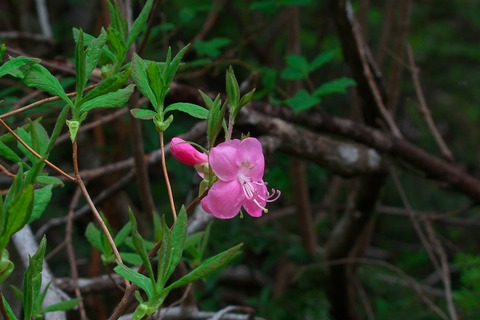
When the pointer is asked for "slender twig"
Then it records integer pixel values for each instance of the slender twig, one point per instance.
(86, 208)
(37, 103)
(427, 115)
(414, 219)
(71, 252)
(54, 167)
(445, 270)
(8, 173)
(86, 195)
(363, 55)
(167, 180)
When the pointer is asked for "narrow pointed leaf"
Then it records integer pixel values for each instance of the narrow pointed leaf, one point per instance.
(20, 211)
(110, 84)
(178, 236)
(62, 306)
(8, 309)
(39, 77)
(143, 114)
(335, 86)
(94, 236)
(194, 110)
(139, 245)
(138, 279)
(93, 53)
(9, 154)
(173, 66)
(322, 59)
(32, 280)
(139, 23)
(110, 100)
(139, 76)
(41, 199)
(80, 75)
(208, 267)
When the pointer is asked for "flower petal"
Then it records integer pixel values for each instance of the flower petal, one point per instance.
(185, 153)
(256, 205)
(250, 158)
(222, 160)
(224, 199)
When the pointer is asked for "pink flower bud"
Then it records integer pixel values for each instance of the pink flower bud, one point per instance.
(185, 153)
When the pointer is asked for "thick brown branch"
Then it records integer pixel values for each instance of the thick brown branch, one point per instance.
(432, 166)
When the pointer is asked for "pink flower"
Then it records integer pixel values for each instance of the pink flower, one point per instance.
(185, 153)
(239, 166)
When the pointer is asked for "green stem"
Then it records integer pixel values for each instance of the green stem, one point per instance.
(167, 180)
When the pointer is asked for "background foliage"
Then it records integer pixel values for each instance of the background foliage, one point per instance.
(278, 274)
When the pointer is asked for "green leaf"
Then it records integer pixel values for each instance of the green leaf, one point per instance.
(61, 306)
(73, 127)
(109, 100)
(49, 180)
(40, 78)
(19, 212)
(297, 68)
(32, 280)
(143, 114)
(211, 48)
(208, 267)
(17, 67)
(215, 120)
(138, 243)
(3, 48)
(6, 266)
(93, 53)
(156, 83)
(40, 138)
(164, 257)
(321, 59)
(139, 23)
(15, 189)
(302, 100)
(9, 154)
(87, 39)
(173, 66)
(110, 84)
(247, 98)
(117, 20)
(178, 236)
(41, 199)
(131, 258)
(122, 234)
(94, 236)
(162, 125)
(23, 134)
(8, 309)
(335, 86)
(233, 90)
(80, 76)
(117, 44)
(139, 76)
(194, 110)
(57, 129)
(138, 279)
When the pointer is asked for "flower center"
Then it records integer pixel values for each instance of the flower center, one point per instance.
(251, 190)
